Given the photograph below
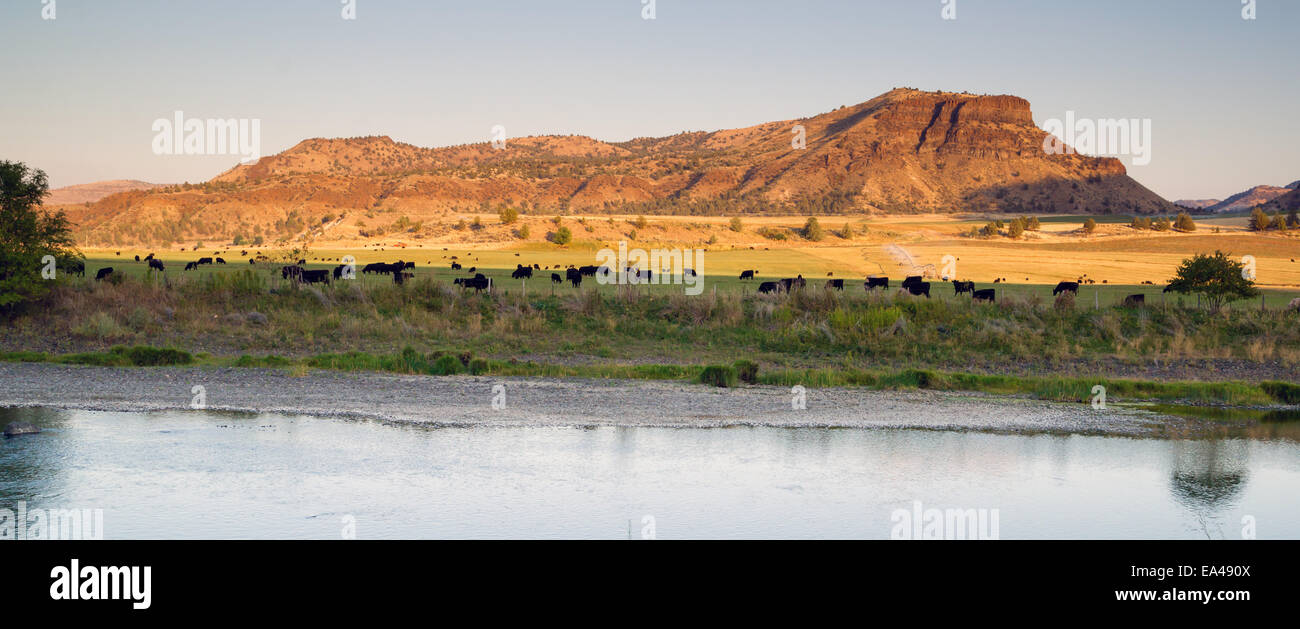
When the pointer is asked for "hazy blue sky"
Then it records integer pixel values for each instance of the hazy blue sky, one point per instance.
(80, 92)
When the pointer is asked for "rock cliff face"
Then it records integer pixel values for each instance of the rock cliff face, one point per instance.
(903, 151)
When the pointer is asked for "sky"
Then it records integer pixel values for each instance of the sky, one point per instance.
(80, 93)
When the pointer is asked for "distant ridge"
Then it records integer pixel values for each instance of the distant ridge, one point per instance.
(91, 192)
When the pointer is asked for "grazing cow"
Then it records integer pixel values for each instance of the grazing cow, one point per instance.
(478, 282)
(157, 265)
(912, 279)
(1066, 287)
(400, 277)
(1135, 301)
(963, 287)
(293, 271)
(522, 272)
(252, 261)
(103, 273)
(877, 282)
(919, 288)
(221, 260)
(791, 283)
(473, 269)
(338, 271)
(987, 294)
(576, 280)
(206, 261)
(537, 267)
(836, 284)
(556, 279)
(313, 277)
(587, 271)
(149, 257)
(300, 262)
(137, 258)
(769, 287)
(747, 275)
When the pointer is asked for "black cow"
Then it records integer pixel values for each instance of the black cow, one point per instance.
(252, 261)
(103, 273)
(836, 284)
(1167, 289)
(791, 283)
(522, 272)
(314, 277)
(75, 267)
(221, 260)
(1066, 287)
(877, 282)
(556, 279)
(769, 287)
(400, 277)
(988, 294)
(293, 271)
(209, 261)
(478, 282)
(963, 287)
(149, 257)
(137, 258)
(919, 288)
(190, 266)
(157, 265)
(300, 262)
(912, 279)
(747, 275)
(587, 271)
(1135, 301)
(338, 271)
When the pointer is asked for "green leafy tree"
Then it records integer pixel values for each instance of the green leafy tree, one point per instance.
(28, 233)
(562, 236)
(1032, 224)
(509, 215)
(1217, 278)
(1184, 223)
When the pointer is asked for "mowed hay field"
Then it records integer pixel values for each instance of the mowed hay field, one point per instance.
(1116, 257)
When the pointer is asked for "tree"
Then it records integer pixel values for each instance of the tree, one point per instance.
(509, 215)
(1089, 226)
(1032, 224)
(1184, 223)
(1291, 219)
(1016, 228)
(736, 225)
(1140, 222)
(812, 230)
(1218, 278)
(1259, 221)
(562, 236)
(524, 231)
(27, 234)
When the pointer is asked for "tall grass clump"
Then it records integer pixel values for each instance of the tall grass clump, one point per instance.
(719, 376)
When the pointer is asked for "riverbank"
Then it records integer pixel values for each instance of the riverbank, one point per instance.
(548, 402)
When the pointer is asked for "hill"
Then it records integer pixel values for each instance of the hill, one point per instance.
(91, 192)
(905, 151)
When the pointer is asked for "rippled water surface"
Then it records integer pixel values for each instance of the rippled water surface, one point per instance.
(206, 475)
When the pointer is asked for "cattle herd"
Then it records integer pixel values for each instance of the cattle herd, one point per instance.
(401, 271)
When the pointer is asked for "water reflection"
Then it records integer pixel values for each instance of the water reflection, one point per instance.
(194, 474)
(1207, 475)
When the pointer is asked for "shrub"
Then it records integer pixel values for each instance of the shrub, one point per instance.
(1184, 223)
(719, 376)
(478, 366)
(1259, 221)
(747, 371)
(509, 215)
(523, 232)
(448, 365)
(736, 225)
(1089, 226)
(1284, 392)
(562, 236)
